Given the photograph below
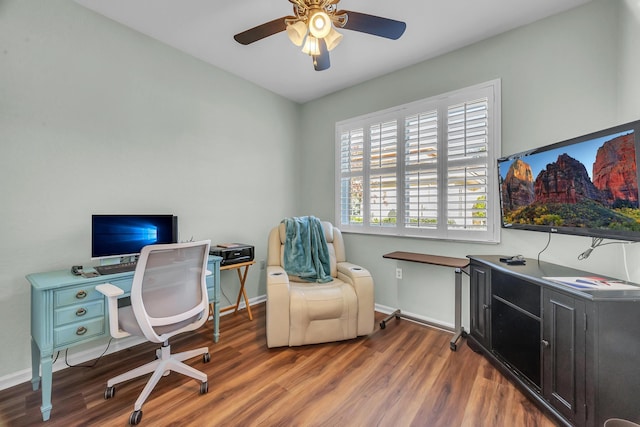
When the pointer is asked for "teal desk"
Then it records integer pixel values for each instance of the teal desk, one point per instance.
(66, 311)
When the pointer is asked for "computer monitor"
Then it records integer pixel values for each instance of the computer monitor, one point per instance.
(125, 235)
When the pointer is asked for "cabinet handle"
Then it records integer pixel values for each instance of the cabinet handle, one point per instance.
(81, 330)
(545, 343)
(485, 307)
(81, 294)
(81, 312)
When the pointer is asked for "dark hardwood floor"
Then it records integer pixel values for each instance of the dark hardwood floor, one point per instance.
(404, 375)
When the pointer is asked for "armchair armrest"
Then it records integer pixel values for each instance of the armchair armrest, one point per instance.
(362, 283)
(352, 271)
(112, 292)
(277, 275)
(277, 300)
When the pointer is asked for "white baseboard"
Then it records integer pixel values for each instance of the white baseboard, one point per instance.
(94, 352)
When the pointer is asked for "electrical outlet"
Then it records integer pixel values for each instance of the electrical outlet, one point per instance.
(398, 273)
(262, 265)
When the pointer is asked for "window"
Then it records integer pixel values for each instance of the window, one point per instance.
(424, 169)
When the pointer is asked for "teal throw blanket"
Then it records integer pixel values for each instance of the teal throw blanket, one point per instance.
(306, 254)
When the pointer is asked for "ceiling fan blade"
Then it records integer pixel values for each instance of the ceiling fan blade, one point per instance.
(322, 62)
(261, 31)
(375, 25)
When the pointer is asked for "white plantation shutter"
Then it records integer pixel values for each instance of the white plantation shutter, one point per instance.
(421, 173)
(467, 195)
(384, 145)
(383, 155)
(424, 169)
(468, 146)
(382, 200)
(351, 176)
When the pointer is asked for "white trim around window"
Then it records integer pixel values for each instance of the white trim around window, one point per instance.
(424, 169)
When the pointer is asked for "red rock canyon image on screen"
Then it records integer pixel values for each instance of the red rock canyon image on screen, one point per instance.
(586, 184)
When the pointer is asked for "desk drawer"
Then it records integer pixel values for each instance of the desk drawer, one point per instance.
(79, 331)
(81, 294)
(76, 295)
(78, 312)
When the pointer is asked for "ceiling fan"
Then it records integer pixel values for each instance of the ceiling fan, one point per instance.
(312, 27)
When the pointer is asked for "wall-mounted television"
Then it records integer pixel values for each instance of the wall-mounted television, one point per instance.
(586, 186)
(125, 235)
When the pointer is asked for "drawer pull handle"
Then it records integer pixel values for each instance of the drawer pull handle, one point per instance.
(81, 312)
(81, 330)
(81, 294)
(485, 306)
(545, 343)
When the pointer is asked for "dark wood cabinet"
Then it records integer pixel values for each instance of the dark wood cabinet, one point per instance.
(563, 354)
(575, 352)
(481, 295)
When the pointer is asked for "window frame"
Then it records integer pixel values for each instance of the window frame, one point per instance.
(440, 104)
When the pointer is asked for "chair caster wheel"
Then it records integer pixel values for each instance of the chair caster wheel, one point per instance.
(206, 358)
(109, 392)
(204, 387)
(135, 418)
(383, 325)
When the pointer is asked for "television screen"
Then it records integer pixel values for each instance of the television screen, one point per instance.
(585, 186)
(126, 235)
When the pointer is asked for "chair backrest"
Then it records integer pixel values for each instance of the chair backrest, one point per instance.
(332, 235)
(169, 290)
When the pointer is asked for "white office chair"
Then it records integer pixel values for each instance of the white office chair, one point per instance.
(168, 297)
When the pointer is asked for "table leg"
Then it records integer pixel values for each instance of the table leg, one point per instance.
(215, 313)
(243, 277)
(35, 365)
(214, 309)
(397, 313)
(46, 364)
(459, 330)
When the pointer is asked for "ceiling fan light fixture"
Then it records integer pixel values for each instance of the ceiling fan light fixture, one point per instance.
(311, 46)
(333, 39)
(319, 24)
(297, 32)
(313, 26)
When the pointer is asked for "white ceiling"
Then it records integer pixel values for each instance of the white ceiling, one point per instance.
(205, 29)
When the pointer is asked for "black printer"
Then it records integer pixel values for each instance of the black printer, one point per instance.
(232, 253)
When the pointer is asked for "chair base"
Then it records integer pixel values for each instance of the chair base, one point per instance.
(160, 367)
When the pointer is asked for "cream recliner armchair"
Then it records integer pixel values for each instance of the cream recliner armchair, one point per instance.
(301, 312)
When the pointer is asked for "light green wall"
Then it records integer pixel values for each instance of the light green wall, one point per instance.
(97, 118)
(560, 78)
(89, 108)
(629, 15)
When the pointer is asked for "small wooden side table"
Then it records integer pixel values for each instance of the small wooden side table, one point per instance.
(242, 276)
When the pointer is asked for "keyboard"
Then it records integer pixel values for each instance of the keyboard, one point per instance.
(123, 267)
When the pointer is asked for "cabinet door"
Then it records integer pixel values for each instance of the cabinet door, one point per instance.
(480, 293)
(563, 354)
